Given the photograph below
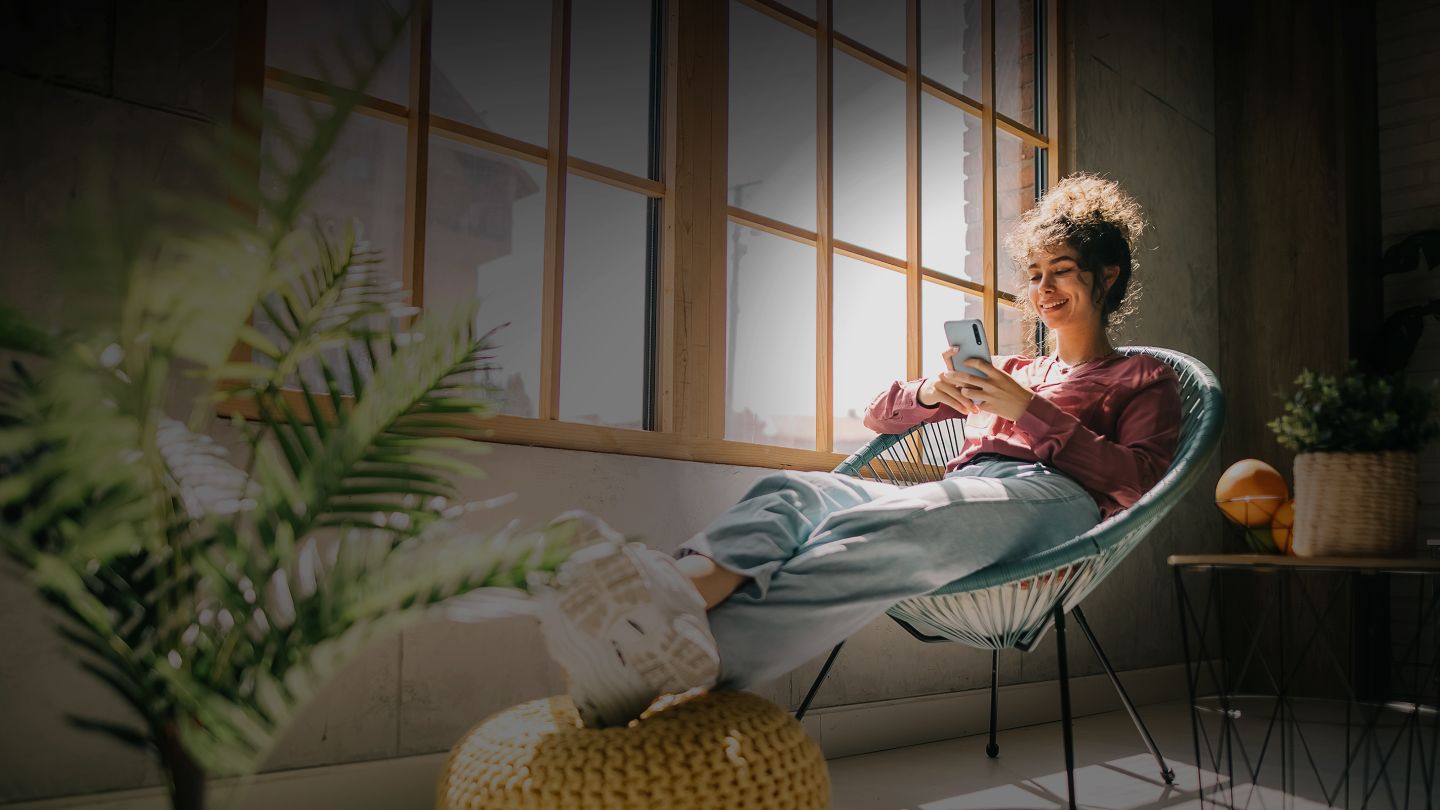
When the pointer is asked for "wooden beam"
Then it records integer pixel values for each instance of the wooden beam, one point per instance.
(990, 201)
(556, 178)
(316, 90)
(1056, 60)
(417, 153)
(471, 135)
(715, 261)
(951, 97)
(616, 178)
(914, 339)
(1021, 131)
(824, 225)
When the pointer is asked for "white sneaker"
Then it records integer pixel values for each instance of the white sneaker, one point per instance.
(627, 627)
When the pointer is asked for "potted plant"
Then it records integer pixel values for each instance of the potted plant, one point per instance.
(1357, 437)
(214, 593)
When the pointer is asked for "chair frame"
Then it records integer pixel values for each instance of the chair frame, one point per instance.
(1014, 604)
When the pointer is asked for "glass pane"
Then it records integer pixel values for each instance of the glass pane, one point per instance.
(610, 58)
(602, 344)
(491, 66)
(772, 118)
(364, 185)
(484, 231)
(952, 181)
(1016, 30)
(1012, 338)
(950, 44)
(1015, 164)
(364, 181)
(308, 38)
(869, 157)
(770, 329)
(879, 24)
(869, 344)
(940, 303)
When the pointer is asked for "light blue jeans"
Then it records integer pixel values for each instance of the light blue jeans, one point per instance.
(826, 554)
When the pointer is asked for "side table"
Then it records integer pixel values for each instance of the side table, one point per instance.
(1275, 714)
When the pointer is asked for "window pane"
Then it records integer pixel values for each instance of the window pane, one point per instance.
(602, 356)
(1015, 59)
(880, 24)
(869, 157)
(770, 328)
(610, 83)
(1013, 339)
(1015, 191)
(940, 303)
(364, 185)
(491, 66)
(950, 44)
(308, 38)
(952, 177)
(869, 344)
(364, 181)
(484, 226)
(772, 118)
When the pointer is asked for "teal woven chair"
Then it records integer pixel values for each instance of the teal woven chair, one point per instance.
(1013, 604)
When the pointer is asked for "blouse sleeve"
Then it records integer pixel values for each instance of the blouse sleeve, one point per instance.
(1127, 466)
(897, 409)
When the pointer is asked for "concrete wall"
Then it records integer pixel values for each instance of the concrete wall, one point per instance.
(1142, 112)
(1408, 50)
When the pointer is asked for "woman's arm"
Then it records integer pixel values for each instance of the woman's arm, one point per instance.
(898, 408)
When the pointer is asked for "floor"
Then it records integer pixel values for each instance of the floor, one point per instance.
(1112, 771)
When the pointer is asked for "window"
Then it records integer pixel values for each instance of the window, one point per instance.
(716, 227)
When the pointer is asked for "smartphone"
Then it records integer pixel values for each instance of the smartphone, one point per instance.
(969, 337)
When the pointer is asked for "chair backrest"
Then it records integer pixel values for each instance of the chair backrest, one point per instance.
(920, 454)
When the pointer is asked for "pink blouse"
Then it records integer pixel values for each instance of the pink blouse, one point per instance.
(1112, 424)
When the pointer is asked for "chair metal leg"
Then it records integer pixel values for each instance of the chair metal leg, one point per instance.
(815, 687)
(1166, 772)
(1065, 728)
(993, 750)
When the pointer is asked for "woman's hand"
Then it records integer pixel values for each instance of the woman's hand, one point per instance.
(996, 393)
(946, 388)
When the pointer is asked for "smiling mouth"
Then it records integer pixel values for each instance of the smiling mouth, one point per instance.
(1054, 305)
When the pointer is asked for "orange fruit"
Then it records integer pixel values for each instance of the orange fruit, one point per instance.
(1282, 528)
(1250, 492)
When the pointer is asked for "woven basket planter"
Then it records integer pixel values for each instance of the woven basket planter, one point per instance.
(718, 751)
(1355, 504)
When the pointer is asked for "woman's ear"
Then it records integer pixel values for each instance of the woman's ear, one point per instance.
(1112, 272)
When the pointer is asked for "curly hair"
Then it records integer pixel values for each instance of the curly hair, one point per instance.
(1102, 224)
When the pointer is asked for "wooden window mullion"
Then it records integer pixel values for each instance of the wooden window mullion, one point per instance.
(990, 202)
(914, 341)
(555, 188)
(824, 225)
(1054, 101)
(417, 153)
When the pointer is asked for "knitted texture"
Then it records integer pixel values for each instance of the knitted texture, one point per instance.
(717, 751)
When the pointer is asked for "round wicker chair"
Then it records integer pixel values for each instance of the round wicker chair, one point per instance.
(1012, 605)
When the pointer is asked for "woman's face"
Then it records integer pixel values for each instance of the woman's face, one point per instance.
(1062, 293)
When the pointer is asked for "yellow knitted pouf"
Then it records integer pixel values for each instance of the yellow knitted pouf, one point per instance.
(726, 750)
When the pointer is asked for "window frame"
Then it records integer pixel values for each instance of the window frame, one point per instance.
(688, 274)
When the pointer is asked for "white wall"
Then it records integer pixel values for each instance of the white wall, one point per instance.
(1142, 113)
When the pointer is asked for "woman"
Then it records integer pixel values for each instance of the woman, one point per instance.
(1054, 444)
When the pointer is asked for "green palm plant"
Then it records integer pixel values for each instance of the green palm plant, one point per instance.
(215, 594)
